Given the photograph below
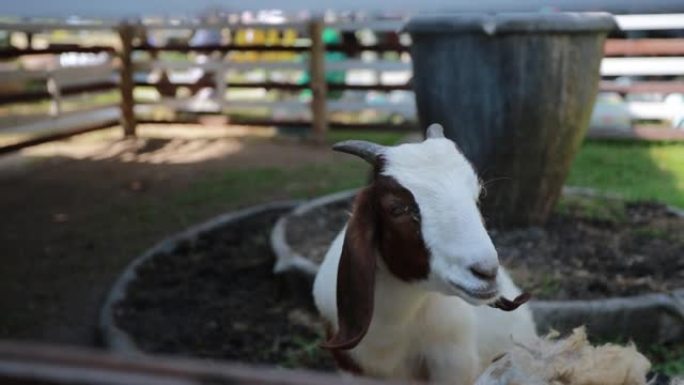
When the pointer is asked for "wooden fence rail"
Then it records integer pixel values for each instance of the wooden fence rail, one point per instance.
(31, 364)
(10, 53)
(209, 83)
(351, 48)
(34, 96)
(644, 47)
(662, 87)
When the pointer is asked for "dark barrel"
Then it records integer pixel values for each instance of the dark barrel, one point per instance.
(515, 92)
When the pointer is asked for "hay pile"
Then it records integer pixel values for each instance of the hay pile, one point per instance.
(569, 361)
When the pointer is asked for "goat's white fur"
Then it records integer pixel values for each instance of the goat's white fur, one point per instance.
(430, 324)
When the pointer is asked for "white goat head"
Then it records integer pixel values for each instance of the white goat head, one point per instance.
(419, 218)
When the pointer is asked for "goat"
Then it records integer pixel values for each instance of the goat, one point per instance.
(400, 285)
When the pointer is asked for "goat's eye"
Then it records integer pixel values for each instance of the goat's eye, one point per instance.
(397, 211)
(415, 216)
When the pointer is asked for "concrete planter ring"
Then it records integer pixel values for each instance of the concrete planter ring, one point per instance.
(114, 336)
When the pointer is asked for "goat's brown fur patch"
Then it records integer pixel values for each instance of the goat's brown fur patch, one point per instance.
(356, 275)
(400, 239)
(376, 228)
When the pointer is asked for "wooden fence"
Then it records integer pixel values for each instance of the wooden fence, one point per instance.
(374, 76)
(61, 85)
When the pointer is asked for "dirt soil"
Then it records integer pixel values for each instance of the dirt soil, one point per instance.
(579, 254)
(75, 212)
(218, 298)
(575, 257)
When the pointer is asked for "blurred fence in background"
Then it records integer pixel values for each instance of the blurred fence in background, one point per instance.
(54, 89)
(58, 80)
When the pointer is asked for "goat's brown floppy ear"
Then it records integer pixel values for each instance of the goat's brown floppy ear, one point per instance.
(356, 275)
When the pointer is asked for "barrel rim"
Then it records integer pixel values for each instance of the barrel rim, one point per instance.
(519, 22)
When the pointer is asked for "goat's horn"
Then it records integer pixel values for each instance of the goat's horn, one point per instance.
(366, 150)
(435, 131)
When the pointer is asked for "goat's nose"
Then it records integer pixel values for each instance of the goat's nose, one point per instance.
(484, 271)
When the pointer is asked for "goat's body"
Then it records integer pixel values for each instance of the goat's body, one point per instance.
(418, 334)
(400, 284)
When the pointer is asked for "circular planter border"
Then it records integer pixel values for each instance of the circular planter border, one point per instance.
(287, 259)
(654, 317)
(119, 340)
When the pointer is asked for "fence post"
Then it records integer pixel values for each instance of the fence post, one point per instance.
(220, 84)
(126, 33)
(55, 94)
(319, 87)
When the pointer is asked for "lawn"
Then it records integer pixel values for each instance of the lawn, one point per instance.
(238, 187)
(636, 171)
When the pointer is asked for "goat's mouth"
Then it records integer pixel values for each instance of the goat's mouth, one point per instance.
(479, 295)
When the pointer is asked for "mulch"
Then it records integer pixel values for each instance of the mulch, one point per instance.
(218, 298)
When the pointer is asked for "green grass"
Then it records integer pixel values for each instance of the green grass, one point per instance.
(657, 233)
(299, 182)
(548, 286)
(305, 351)
(636, 171)
(231, 188)
(668, 360)
(307, 181)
